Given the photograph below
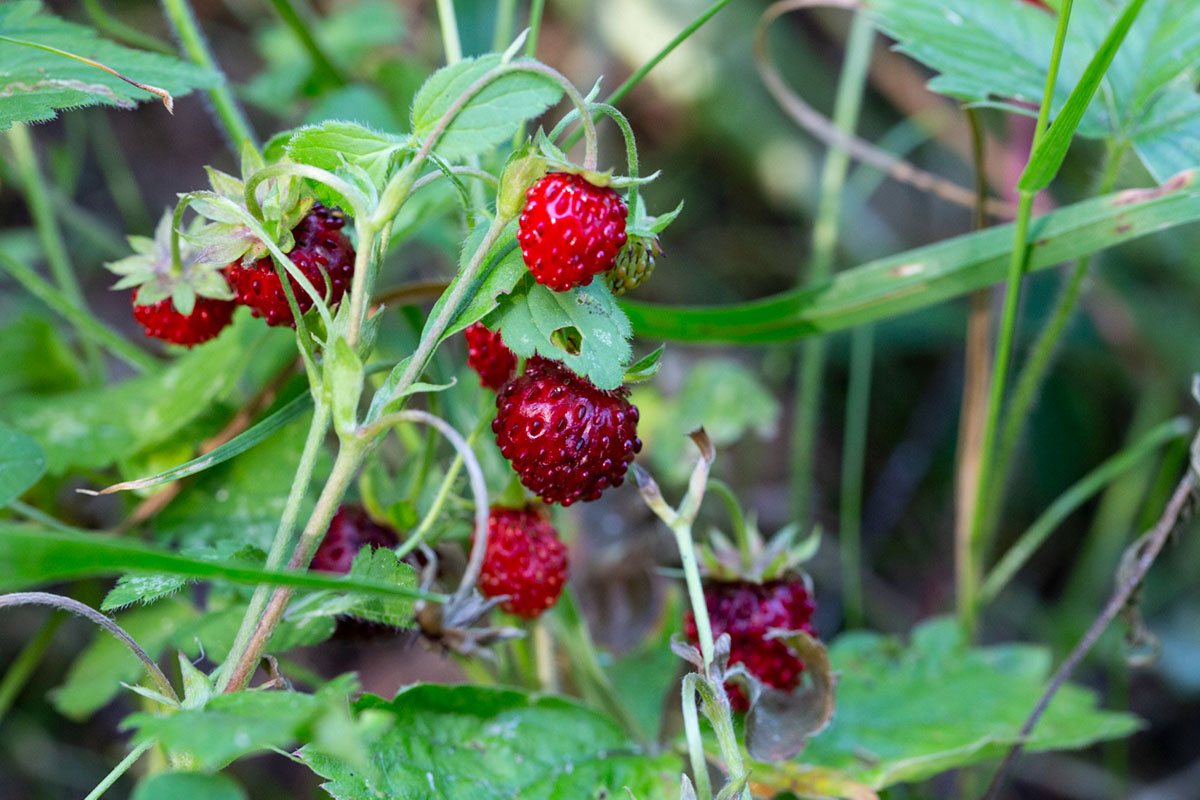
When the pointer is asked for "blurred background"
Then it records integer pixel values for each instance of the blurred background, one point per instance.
(750, 181)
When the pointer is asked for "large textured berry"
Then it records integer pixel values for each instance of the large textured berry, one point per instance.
(320, 246)
(162, 321)
(350, 530)
(747, 611)
(566, 439)
(489, 356)
(525, 561)
(570, 229)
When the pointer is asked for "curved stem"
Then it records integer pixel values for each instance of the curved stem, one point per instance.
(474, 472)
(418, 535)
(469, 172)
(92, 615)
(229, 113)
(358, 203)
(119, 770)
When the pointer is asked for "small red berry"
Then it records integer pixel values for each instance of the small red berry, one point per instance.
(350, 530)
(570, 230)
(320, 246)
(747, 611)
(566, 439)
(162, 321)
(489, 356)
(525, 561)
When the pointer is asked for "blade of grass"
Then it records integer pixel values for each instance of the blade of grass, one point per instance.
(1074, 497)
(915, 279)
(811, 368)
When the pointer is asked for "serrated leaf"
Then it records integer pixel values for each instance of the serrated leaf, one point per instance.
(994, 51)
(490, 117)
(22, 463)
(144, 589)
(233, 725)
(473, 743)
(188, 786)
(905, 714)
(376, 565)
(35, 84)
(334, 144)
(532, 315)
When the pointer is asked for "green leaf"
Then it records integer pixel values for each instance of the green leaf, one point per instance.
(373, 565)
(233, 725)
(1047, 159)
(34, 83)
(906, 714)
(490, 117)
(538, 320)
(95, 677)
(472, 743)
(343, 385)
(257, 433)
(188, 786)
(991, 52)
(95, 428)
(333, 144)
(918, 278)
(22, 463)
(36, 359)
(30, 555)
(144, 589)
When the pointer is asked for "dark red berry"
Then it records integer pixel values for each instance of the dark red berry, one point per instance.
(489, 356)
(320, 246)
(162, 321)
(525, 561)
(747, 611)
(566, 439)
(350, 530)
(570, 230)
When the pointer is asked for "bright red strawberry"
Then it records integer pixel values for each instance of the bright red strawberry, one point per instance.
(320, 246)
(525, 561)
(747, 611)
(350, 530)
(566, 439)
(489, 356)
(162, 321)
(570, 230)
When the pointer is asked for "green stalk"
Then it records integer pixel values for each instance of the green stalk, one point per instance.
(1037, 365)
(229, 114)
(26, 662)
(119, 770)
(321, 61)
(825, 234)
(418, 535)
(506, 13)
(535, 27)
(283, 537)
(89, 328)
(854, 450)
(451, 42)
(691, 574)
(114, 28)
(54, 247)
(968, 576)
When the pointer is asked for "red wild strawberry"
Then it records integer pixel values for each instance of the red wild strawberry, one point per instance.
(566, 439)
(570, 230)
(350, 530)
(525, 561)
(489, 356)
(747, 611)
(162, 321)
(320, 246)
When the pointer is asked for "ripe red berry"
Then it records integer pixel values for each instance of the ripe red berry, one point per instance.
(570, 229)
(489, 356)
(162, 321)
(524, 560)
(747, 611)
(566, 439)
(320, 245)
(350, 530)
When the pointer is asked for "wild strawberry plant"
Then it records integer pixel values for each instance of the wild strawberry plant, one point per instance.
(362, 454)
